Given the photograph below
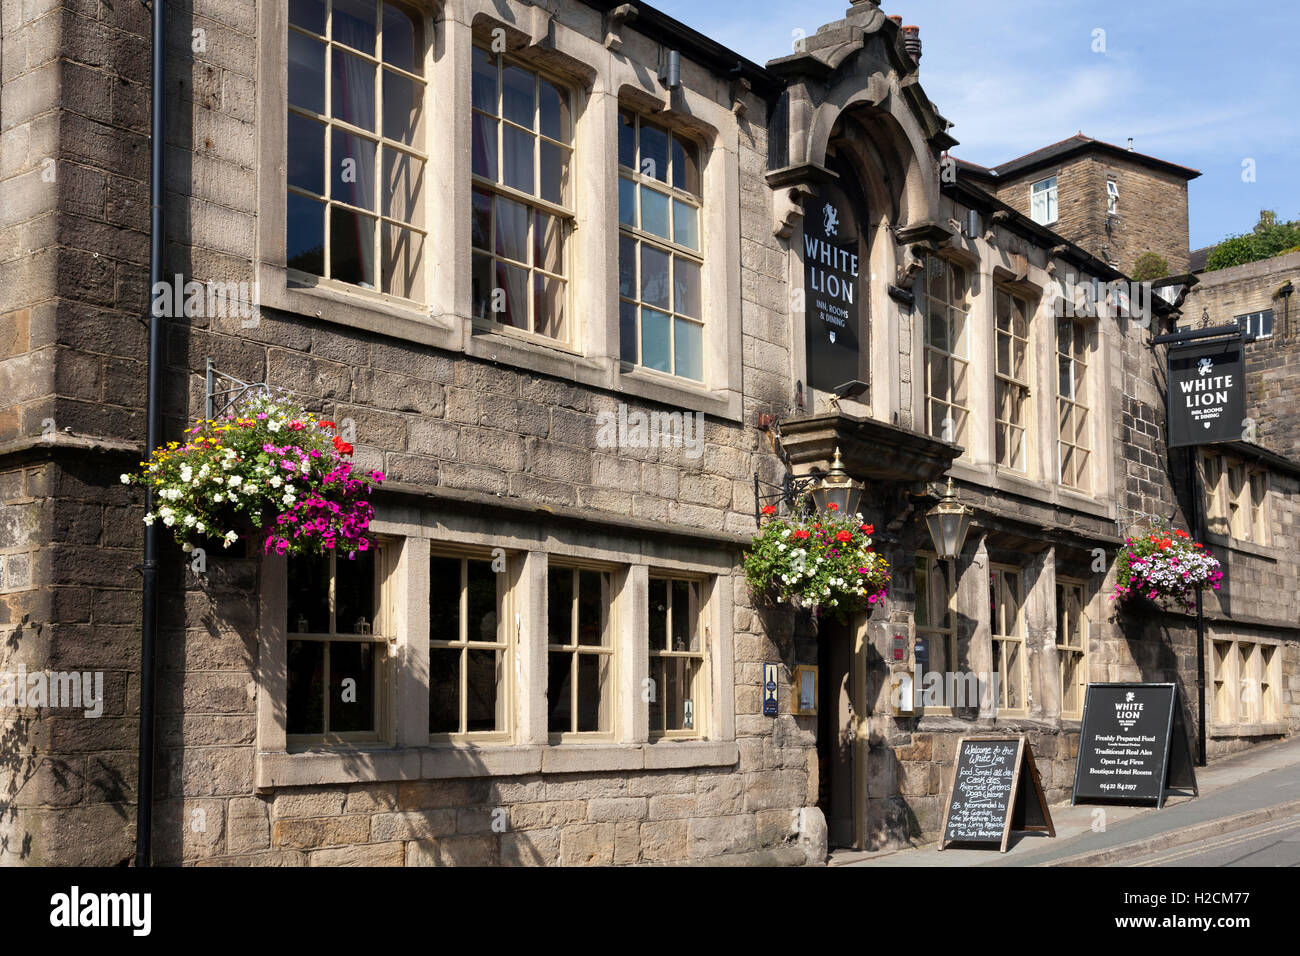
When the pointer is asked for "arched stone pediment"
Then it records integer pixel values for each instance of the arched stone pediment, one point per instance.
(855, 79)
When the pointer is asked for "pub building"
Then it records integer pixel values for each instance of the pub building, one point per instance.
(481, 231)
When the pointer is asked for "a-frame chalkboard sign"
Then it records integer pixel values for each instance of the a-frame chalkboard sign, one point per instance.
(1133, 746)
(995, 789)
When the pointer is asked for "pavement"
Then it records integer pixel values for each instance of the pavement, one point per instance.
(1249, 806)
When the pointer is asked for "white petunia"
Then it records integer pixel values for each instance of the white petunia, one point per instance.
(126, 479)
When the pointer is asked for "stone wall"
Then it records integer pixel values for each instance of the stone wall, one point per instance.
(1151, 217)
(1272, 364)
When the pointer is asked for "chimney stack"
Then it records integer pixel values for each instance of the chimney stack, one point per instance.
(912, 40)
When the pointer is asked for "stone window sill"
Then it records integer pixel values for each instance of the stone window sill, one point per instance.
(1274, 729)
(376, 764)
(1245, 547)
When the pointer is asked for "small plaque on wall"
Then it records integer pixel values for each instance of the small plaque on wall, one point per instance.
(805, 689)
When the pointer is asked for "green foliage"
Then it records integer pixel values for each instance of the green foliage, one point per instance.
(1150, 266)
(1269, 238)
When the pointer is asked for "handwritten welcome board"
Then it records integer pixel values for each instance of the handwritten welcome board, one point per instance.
(1133, 746)
(995, 789)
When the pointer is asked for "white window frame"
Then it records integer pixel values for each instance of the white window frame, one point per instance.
(607, 648)
(1246, 681)
(998, 573)
(1003, 379)
(1043, 207)
(959, 361)
(1112, 197)
(1255, 325)
(702, 701)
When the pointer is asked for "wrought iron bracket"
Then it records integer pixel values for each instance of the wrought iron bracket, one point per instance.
(789, 492)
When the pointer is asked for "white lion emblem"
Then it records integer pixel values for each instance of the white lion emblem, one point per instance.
(1205, 365)
(832, 219)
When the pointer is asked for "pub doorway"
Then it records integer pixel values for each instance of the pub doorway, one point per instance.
(836, 731)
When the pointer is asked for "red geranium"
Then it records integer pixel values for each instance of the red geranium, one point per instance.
(801, 534)
(342, 447)
(769, 509)
(867, 528)
(844, 536)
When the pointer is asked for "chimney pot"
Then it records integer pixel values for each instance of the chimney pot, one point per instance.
(912, 40)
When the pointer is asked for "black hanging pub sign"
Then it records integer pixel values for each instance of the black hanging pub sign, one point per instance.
(1207, 392)
(832, 290)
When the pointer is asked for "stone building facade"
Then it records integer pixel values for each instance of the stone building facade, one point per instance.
(511, 519)
(1114, 202)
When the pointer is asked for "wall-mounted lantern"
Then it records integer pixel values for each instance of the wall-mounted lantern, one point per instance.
(948, 522)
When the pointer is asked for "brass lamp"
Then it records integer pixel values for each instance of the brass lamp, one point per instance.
(948, 522)
(838, 489)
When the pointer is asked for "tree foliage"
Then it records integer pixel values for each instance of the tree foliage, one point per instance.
(1269, 238)
(1150, 265)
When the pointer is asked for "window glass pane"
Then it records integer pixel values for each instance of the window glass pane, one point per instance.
(483, 131)
(559, 605)
(353, 179)
(594, 697)
(548, 305)
(481, 222)
(654, 212)
(354, 24)
(591, 609)
(685, 637)
(352, 247)
(306, 154)
(686, 227)
(656, 702)
(559, 692)
(654, 276)
(548, 242)
(686, 287)
(513, 283)
(444, 599)
(655, 351)
(482, 606)
(403, 187)
(484, 669)
(688, 350)
(686, 166)
(678, 693)
(654, 152)
(403, 109)
(305, 235)
(517, 158)
(481, 286)
(308, 605)
(484, 81)
(517, 95)
(627, 202)
(352, 687)
(306, 73)
(626, 140)
(627, 331)
(305, 695)
(658, 599)
(922, 590)
(553, 110)
(627, 267)
(353, 98)
(553, 181)
(308, 14)
(512, 229)
(403, 40)
(403, 262)
(354, 593)
(444, 690)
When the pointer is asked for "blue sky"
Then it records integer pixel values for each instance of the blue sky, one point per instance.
(1199, 83)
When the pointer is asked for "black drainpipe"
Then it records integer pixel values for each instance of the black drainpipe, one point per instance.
(153, 417)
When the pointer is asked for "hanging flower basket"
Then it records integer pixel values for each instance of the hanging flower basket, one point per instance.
(268, 470)
(1163, 567)
(821, 562)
